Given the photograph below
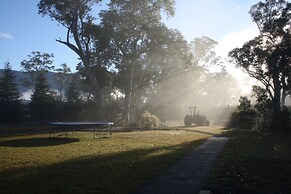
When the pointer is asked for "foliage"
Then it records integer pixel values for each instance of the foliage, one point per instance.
(233, 121)
(149, 120)
(119, 121)
(8, 87)
(267, 57)
(11, 109)
(244, 105)
(73, 106)
(72, 92)
(82, 33)
(72, 111)
(129, 47)
(263, 107)
(244, 117)
(203, 51)
(62, 78)
(101, 73)
(90, 112)
(191, 77)
(38, 63)
(42, 103)
(137, 36)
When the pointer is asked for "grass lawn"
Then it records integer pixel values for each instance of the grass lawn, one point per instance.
(253, 162)
(81, 164)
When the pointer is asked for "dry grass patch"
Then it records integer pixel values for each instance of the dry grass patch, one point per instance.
(81, 164)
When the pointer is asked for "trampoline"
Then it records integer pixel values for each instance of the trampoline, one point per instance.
(94, 127)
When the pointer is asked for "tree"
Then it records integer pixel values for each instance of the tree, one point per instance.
(38, 63)
(73, 91)
(8, 87)
(134, 28)
(76, 17)
(73, 104)
(206, 72)
(268, 56)
(42, 102)
(203, 52)
(263, 107)
(10, 103)
(62, 78)
(244, 116)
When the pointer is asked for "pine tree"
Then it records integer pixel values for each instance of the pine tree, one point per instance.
(73, 92)
(8, 88)
(42, 102)
(73, 106)
(11, 108)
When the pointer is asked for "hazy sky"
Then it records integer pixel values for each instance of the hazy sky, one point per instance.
(22, 30)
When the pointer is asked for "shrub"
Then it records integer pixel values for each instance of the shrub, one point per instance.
(149, 120)
(263, 108)
(119, 120)
(234, 120)
(244, 116)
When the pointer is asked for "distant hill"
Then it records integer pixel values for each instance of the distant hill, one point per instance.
(26, 92)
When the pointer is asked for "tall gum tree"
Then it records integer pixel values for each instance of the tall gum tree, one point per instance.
(267, 57)
(76, 17)
(133, 27)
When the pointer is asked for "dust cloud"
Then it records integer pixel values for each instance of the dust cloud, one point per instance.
(214, 94)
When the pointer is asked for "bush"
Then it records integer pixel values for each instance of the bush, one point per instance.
(245, 116)
(11, 112)
(234, 120)
(119, 120)
(149, 120)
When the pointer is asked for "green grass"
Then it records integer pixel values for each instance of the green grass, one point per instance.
(81, 164)
(253, 162)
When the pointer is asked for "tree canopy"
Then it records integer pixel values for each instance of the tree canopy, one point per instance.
(267, 57)
(76, 17)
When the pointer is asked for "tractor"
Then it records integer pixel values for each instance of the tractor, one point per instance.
(197, 119)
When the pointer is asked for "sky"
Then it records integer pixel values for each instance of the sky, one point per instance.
(23, 30)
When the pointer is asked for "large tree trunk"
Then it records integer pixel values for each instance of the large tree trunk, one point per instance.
(128, 96)
(95, 89)
(276, 103)
(284, 95)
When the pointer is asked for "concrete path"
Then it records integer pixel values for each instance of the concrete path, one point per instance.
(188, 174)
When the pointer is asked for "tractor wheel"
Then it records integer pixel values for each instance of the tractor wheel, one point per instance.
(198, 120)
(207, 123)
(188, 120)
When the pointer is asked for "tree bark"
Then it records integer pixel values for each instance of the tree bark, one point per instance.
(86, 62)
(276, 103)
(284, 95)
(128, 96)
(96, 91)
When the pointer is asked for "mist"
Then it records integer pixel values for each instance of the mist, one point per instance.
(214, 93)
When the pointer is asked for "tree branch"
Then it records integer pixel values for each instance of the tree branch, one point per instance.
(71, 46)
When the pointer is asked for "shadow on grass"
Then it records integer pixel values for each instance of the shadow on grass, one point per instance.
(37, 142)
(120, 172)
(253, 162)
(10, 130)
